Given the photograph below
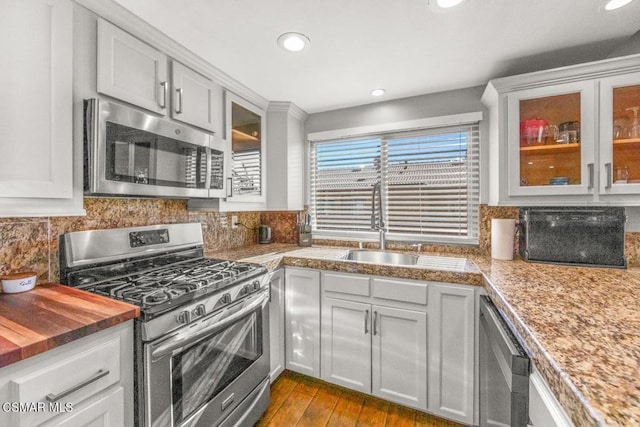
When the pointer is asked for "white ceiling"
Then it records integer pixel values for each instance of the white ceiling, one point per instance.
(404, 46)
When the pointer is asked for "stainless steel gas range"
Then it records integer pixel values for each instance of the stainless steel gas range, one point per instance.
(202, 342)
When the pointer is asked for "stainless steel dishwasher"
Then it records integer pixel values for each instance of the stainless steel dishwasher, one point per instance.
(504, 371)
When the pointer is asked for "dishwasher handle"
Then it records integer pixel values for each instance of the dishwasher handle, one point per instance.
(501, 335)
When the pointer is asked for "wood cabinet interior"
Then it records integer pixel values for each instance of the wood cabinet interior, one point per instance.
(626, 150)
(540, 163)
(538, 167)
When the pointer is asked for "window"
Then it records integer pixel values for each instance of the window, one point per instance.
(430, 182)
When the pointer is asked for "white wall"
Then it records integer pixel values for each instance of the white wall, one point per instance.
(417, 107)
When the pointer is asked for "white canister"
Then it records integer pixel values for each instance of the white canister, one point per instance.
(18, 282)
(503, 233)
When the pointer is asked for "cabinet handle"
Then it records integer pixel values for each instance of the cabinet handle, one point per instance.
(590, 169)
(179, 109)
(366, 321)
(375, 323)
(230, 192)
(607, 168)
(95, 377)
(164, 94)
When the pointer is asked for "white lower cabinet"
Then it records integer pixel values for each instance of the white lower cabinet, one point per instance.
(346, 344)
(452, 355)
(302, 321)
(544, 408)
(107, 410)
(371, 347)
(399, 356)
(406, 341)
(88, 382)
(276, 324)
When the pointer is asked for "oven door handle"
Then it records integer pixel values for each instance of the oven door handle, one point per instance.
(181, 340)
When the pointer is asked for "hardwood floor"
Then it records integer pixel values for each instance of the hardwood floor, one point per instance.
(297, 400)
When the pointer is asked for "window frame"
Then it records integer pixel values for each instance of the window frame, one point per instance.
(389, 131)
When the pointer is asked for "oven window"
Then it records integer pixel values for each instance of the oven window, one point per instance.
(140, 157)
(202, 371)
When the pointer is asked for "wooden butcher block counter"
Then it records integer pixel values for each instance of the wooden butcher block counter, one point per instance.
(51, 315)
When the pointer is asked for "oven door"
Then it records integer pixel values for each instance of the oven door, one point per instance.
(199, 374)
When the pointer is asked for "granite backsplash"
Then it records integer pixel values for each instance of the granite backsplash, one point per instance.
(32, 243)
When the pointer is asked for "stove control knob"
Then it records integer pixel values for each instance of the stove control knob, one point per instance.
(226, 298)
(256, 285)
(184, 317)
(199, 311)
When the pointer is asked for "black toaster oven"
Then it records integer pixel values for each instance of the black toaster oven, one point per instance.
(590, 236)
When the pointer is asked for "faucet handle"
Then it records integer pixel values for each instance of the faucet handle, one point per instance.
(418, 246)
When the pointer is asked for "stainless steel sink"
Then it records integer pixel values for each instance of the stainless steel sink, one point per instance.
(379, 257)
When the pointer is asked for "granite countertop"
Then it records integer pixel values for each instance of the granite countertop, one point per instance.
(51, 315)
(580, 325)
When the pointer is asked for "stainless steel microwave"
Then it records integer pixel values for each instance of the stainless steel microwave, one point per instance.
(131, 153)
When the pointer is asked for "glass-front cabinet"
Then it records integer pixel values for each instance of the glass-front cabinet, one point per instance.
(551, 139)
(245, 133)
(620, 134)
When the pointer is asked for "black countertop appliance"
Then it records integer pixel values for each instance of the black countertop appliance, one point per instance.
(591, 236)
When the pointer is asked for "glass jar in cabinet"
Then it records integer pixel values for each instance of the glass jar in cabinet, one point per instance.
(620, 134)
(551, 140)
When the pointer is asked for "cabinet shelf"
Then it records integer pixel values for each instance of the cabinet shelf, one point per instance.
(626, 141)
(569, 146)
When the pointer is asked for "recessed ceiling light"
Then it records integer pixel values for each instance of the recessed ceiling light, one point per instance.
(448, 3)
(293, 42)
(616, 4)
(378, 92)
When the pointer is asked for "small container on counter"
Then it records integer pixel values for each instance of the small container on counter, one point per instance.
(18, 282)
(304, 239)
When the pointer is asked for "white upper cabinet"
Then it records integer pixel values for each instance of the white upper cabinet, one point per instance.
(36, 121)
(566, 136)
(194, 97)
(131, 70)
(286, 156)
(246, 132)
(542, 152)
(620, 135)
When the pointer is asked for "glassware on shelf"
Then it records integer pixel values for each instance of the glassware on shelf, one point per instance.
(634, 128)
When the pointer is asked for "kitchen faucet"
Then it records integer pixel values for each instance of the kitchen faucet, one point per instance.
(379, 224)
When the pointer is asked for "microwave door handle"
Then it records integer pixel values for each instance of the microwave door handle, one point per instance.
(93, 133)
(180, 341)
(207, 177)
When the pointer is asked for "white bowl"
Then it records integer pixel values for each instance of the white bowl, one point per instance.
(18, 282)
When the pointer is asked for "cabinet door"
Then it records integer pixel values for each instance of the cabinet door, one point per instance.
(131, 70)
(346, 344)
(246, 130)
(276, 323)
(620, 134)
(551, 140)
(193, 97)
(452, 338)
(302, 321)
(36, 40)
(399, 356)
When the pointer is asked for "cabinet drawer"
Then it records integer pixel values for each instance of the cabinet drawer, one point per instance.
(70, 380)
(400, 290)
(105, 411)
(346, 284)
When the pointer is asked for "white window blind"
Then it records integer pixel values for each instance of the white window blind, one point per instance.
(247, 172)
(430, 183)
